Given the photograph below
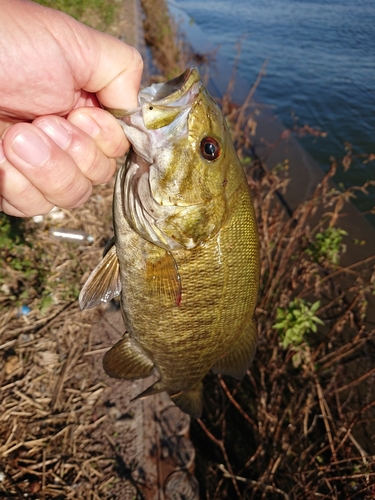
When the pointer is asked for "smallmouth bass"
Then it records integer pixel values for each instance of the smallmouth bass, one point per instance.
(185, 255)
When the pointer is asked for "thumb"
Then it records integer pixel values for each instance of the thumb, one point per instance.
(117, 74)
(100, 63)
(48, 54)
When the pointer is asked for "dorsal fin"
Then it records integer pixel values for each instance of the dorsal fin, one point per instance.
(104, 283)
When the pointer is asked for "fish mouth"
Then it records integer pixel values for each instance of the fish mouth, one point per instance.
(162, 114)
(166, 100)
(160, 103)
(161, 118)
(176, 92)
(173, 91)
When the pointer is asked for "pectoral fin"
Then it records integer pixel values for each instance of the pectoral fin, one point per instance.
(104, 282)
(237, 360)
(164, 278)
(126, 360)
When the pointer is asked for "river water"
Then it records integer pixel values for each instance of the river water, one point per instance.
(321, 68)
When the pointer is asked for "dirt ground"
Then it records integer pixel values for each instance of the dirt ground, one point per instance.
(148, 439)
(66, 429)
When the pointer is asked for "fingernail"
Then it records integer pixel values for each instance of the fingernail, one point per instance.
(87, 124)
(56, 132)
(30, 147)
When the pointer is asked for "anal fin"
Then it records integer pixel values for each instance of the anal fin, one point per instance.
(155, 388)
(190, 401)
(237, 360)
(125, 360)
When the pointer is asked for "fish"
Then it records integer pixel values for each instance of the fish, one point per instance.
(185, 251)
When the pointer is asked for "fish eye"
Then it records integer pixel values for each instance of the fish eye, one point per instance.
(210, 148)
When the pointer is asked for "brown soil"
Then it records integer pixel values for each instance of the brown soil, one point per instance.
(66, 429)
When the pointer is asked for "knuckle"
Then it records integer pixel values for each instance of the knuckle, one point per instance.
(107, 173)
(93, 163)
(137, 61)
(73, 194)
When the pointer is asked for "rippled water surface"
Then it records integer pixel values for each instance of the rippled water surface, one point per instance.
(321, 68)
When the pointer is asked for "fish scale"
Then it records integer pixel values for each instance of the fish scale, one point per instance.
(205, 290)
(186, 260)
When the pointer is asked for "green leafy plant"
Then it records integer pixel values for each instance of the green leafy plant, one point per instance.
(328, 245)
(46, 301)
(10, 232)
(13, 245)
(295, 321)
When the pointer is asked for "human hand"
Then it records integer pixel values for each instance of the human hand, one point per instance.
(56, 142)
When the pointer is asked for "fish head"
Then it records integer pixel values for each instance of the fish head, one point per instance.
(183, 170)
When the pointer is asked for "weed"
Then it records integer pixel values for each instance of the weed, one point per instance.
(295, 321)
(18, 268)
(10, 232)
(98, 14)
(328, 245)
(294, 418)
(28, 272)
(169, 52)
(46, 301)
(281, 167)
